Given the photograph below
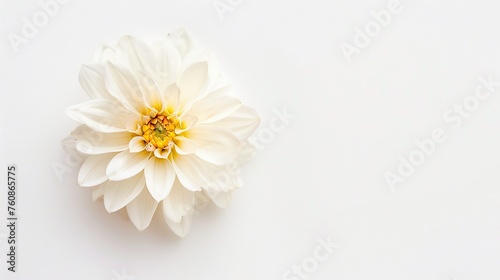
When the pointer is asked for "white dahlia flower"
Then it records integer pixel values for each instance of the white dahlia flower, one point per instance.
(159, 128)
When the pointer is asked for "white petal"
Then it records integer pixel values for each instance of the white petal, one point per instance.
(193, 173)
(133, 123)
(198, 73)
(178, 203)
(122, 85)
(103, 54)
(221, 87)
(213, 109)
(93, 170)
(98, 192)
(221, 199)
(92, 142)
(171, 99)
(137, 144)
(69, 144)
(98, 53)
(214, 144)
(150, 90)
(201, 200)
(141, 210)
(186, 122)
(183, 42)
(125, 165)
(182, 228)
(118, 194)
(242, 123)
(184, 146)
(162, 153)
(160, 176)
(100, 115)
(139, 55)
(168, 63)
(92, 81)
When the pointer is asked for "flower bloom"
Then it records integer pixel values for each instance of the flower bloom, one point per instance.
(160, 127)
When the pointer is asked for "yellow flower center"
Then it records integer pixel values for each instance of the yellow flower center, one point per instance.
(159, 132)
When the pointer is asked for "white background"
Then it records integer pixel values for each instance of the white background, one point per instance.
(322, 176)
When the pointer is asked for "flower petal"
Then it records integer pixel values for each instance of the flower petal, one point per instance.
(122, 85)
(213, 109)
(160, 176)
(92, 81)
(193, 173)
(133, 123)
(99, 115)
(199, 71)
(181, 228)
(242, 122)
(138, 53)
(221, 199)
(221, 87)
(141, 210)
(125, 165)
(201, 200)
(178, 203)
(93, 170)
(162, 153)
(93, 142)
(183, 41)
(103, 54)
(186, 123)
(69, 145)
(137, 144)
(98, 192)
(171, 99)
(168, 63)
(150, 90)
(118, 194)
(184, 146)
(214, 144)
